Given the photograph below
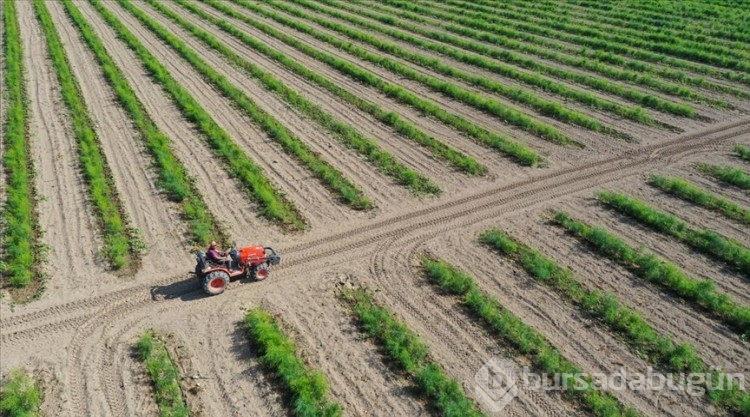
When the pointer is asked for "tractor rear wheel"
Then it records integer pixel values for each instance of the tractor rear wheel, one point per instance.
(261, 272)
(216, 282)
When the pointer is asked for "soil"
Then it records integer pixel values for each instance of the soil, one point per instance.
(78, 336)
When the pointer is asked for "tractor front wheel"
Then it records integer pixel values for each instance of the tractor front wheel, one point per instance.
(216, 282)
(261, 272)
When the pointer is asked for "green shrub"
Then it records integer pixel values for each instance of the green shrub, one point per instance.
(20, 395)
(694, 194)
(729, 251)
(278, 353)
(743, 152)
(20, 229)
(164, 375)
(729, 175)
(410, 355)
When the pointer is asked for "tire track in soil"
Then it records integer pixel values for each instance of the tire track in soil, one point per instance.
(488, 204)
(500, 200)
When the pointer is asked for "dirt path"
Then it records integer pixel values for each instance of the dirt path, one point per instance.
(64, 213)
(157, 219)
(92, 326)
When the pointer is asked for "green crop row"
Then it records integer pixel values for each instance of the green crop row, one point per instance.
(522, 41)
(707, 241)
(501, 143)
(509, 38)
(345, 133)
(173, 178)
(498, 66)
(743, 152)
(728, 59)
(20, 395)
(588, 43)
(21, 229)
(409, 353)
(122, 247)
(273, 206)
(548, 85)
(164, 375)
(689, 192)
(622, 321)
(527, 341)
(701, 293)
(291, 144)
(308, 389)
(407, 130)
(490, 106)
(730, 175)
(701, 30)
(630, 20)
(670, 44)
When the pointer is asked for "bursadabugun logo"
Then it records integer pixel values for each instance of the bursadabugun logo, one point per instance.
(496, 383)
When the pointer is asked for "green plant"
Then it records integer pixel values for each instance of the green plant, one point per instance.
(165, 376)
(730, 251)
(173, 177)
(488, 105)
(730, 175)
(742, 151)
(503, 324)
(498, 66)
(278, 353)
(20, 395)
(343, 132)
(700, 293)
(20, 231)
(689, 192)
(290, 143)
(109, 208)
(403, 127)
(501, 143)
(409, 353)
(273, 205)
(623, 322)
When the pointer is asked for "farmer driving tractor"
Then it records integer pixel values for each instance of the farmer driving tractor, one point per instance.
(213, 254)
(215, 269)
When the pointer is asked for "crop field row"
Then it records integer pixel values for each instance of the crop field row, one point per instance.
(466, 198)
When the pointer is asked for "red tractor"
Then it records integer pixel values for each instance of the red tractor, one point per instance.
(248, 262)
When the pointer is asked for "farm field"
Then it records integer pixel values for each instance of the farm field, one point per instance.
(561, 187)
